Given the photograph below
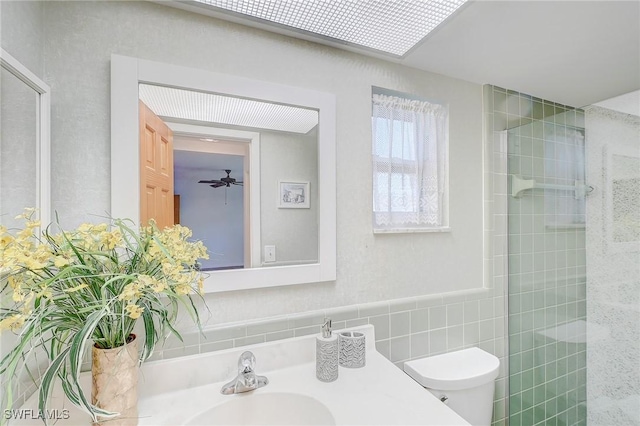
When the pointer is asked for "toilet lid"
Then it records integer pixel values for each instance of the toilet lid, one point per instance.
(463, 369)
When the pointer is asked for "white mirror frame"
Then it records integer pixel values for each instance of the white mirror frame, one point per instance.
(128, 72)
(43, 145)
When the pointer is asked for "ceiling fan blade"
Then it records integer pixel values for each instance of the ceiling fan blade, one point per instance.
(225, 181)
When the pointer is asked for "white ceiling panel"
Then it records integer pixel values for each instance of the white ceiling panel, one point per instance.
(227, 110)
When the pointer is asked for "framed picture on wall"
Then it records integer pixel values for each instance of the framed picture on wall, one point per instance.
(293, 195)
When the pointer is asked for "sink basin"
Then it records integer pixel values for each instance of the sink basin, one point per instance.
(276, 408)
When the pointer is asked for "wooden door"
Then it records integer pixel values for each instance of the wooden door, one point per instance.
(156, 169)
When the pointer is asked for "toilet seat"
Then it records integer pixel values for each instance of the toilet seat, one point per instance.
(457, 370)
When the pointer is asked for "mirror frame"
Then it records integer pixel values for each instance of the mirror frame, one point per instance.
(128, 72)
(43, 130)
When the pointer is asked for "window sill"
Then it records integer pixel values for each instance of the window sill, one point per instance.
(411, 230)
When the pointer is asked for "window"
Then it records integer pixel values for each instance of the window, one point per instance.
(410, 164)
(564, 165)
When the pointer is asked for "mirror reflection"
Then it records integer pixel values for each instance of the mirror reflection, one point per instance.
(199, 172)
(212, 208)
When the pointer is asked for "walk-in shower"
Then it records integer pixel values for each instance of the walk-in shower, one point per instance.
(568, 181)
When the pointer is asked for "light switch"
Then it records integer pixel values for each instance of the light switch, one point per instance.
(269, 254)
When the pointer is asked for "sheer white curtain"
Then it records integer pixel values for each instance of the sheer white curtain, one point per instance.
(410, 143)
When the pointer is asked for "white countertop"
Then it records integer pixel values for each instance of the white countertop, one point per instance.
(173, 391)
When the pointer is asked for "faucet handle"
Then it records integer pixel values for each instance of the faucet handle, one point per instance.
(246, 362)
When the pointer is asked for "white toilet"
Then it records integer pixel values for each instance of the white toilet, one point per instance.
(464, 380)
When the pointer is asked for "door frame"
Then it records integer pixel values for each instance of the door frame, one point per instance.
(248, 145)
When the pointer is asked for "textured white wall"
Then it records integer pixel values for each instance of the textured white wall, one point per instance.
(22, 32)
(81, 36)
(289, 157)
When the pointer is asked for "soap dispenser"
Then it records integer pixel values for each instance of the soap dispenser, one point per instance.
(327, 354)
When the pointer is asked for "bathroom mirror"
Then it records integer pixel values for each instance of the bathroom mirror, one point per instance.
(228, 163)
(265, 178)
(24, 143)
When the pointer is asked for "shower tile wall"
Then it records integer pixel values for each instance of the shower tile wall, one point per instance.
(544, 141)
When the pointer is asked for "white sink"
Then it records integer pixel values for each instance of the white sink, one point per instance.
(254, 408)
(186, 391)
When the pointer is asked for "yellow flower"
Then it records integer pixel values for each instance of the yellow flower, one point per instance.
(42, 268)
(25, 233)
(153, 283)
(5, 240)
(134, 311)
(131, 291)
(60, 261)
(155, 250)
(18, 295)
(27, 213)
(76, 288)
(144, 280)
(111, 239)
(101, 227)
(172, 271)
(182, 289)
(33, 223)
(46, 293)
(158, 286)
(85, 228)
(14, 322)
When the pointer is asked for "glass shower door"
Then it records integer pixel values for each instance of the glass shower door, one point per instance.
(547, 272)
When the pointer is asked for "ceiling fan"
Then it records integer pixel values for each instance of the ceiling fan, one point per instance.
(225, 181)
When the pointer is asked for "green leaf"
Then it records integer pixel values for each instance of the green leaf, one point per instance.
(46, 386)
(150, 337)
(74, 391)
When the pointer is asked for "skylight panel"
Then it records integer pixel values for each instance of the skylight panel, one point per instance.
(228, 110)
(390, 26)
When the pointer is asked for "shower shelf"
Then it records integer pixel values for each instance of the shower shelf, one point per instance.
(520, 184)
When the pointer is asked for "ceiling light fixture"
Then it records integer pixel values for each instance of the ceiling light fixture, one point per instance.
(390, 26)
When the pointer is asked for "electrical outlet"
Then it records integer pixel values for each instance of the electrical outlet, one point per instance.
(269, 254)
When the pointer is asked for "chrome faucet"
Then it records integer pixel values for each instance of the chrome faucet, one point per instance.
(247, 379)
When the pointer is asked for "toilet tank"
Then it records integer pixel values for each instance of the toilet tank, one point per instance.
(464, 380)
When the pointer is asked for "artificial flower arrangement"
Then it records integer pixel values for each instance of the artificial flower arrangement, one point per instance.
(68, 290)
